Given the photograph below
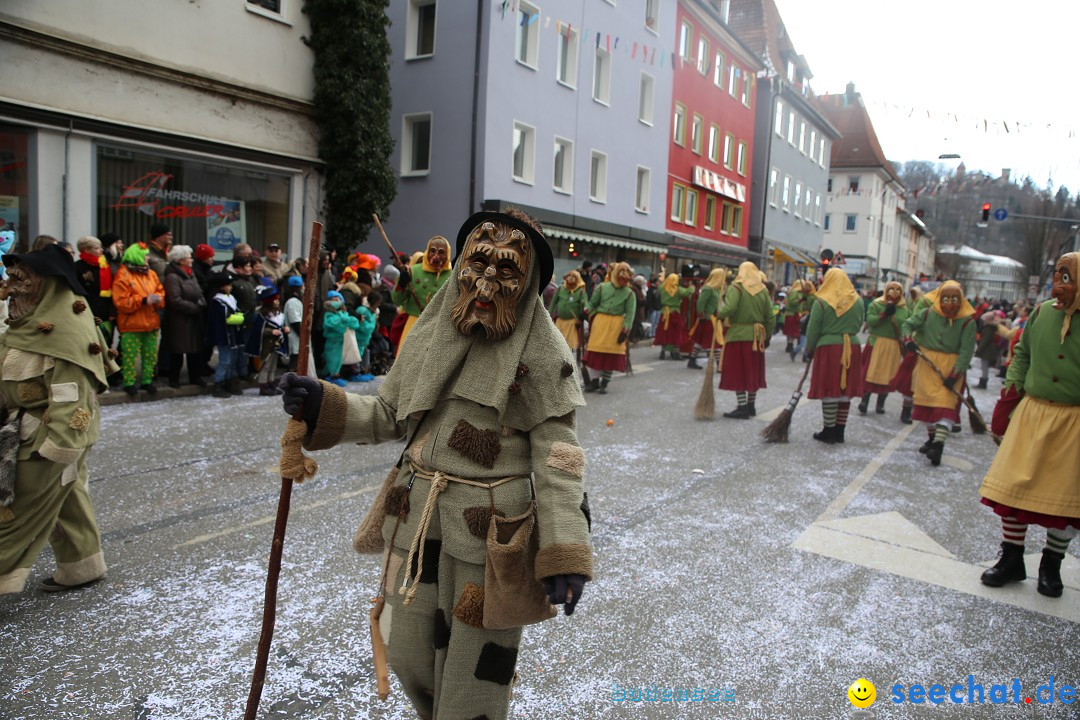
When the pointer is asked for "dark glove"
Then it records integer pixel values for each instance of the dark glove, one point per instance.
(301, 394)
(910, 346)
(404, 277)
(622, 337)
(768, 339)
(950, 381)
(890, 310)
(558, 587)
(1008, 401)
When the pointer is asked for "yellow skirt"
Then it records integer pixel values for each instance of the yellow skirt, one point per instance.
(1036, 467)
(604, 334)
(568, 328)
(884, 361)
(405, 332)
(928, 389)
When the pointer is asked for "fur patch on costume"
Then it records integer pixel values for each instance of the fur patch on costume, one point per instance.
(441, 635)
(78, 306)
(30, 391)
(397, 502)
(45, 327)
(522, 370)
(569, 418)
(417, 450)
(80, 420)
(477, 520)
(470, 606)
(480, 446)
(496, 664)
(567, 370)
(564, 558)
(568, 458)
(95, 349)
(430, 574)
(515, 389)
(113, 354)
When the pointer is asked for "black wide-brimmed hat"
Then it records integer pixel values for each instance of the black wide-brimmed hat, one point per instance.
(51, 261)
(539, 242)
(220, 279)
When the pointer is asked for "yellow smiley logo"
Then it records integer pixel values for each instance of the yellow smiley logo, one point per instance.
(862, 693)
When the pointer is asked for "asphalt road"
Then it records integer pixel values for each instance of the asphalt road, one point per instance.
(771, 577)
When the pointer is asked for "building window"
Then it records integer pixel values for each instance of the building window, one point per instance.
(527, 50)
(691, 207)
(645, 99)
(736, 220)
(16, 159)
(746, 84)
(790, 71)
(828, 216)
(732, 79)
(725, 219)
(416, 144)
(652, 15)
(420, 29)
(786, 195)
(853, 183)
(710, 212)
(740, 165)
(602, 76)
(695, 133)
(729, 147)
(678, 201)
(566, 72)
(849, 222)
(808, 211)
(774, 185)
(274, 9)
(778, 123)
(821, 154)
(802, 137)
(828, 184)
(791, 129)
(563, 176)
(813, 145)
(598, 177)
(798, 199)
(641, 192)
(703, 55)
(686, 31)
(524, 152)
(714, 144)
(679, 125)
(718, 70)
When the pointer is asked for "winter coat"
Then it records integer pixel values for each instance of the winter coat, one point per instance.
(202, 274)
(183, 328)
(133, 285)
(89, 278)
(366, 328)
(157, 262)
(335, 324)
(218, 332)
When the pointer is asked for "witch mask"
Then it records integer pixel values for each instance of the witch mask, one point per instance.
(951, 301)
(22, 290)
(893, 293)
(1064, 287)
(494, 266)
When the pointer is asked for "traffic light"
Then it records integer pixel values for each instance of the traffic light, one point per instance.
(826, 259)
(573, 252)
(986, 212)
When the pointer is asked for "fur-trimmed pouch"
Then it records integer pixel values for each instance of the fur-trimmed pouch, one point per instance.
(368, 537)
(512, 595)
(9, 449)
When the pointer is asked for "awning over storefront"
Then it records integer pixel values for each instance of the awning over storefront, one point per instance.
(554, 231)
(703, 177)
(694, 247)
(783, 252)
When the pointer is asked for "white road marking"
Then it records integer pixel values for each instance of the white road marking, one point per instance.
(837, 506)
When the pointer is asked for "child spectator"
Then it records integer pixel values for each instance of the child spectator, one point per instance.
(336, 322)
(138, 296)
(266, 340)
(223, 331)
(367, 317)
(294, 314)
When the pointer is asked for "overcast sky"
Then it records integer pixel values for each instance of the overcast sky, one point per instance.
(988, 60)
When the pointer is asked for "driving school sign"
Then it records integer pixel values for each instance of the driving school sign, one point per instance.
(150, 196)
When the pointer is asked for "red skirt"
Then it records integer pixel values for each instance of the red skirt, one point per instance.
(921, 413)
(902, 382)
(827, 373)
(743, 370)
(792, 327)
(1032, 518)
(703, 333)
(604, 361)
(674, 334)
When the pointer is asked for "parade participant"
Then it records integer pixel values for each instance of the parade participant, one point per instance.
(706, 333)
(497, 468)
(223, 323)
(987, 347)
(611, 312)
(568, 305)
(882, 355)
(901, 382)
(671, 332)
(945, 334)
(418, 284)
(267, 340)
(54, 365)
(138, 296)
(832, 341)
(796, 305)
(747, 308)
(1033, 479)
(337, 322)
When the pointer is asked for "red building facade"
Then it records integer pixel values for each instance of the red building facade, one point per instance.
(712, 138)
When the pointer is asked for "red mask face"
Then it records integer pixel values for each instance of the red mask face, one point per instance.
(622, 277)
(491, 280)
(436, 255)
(893, 294)
(568, 280)
(1064, 287)
(951, 301)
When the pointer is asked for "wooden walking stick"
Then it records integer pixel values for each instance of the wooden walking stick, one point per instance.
(294, 467)
(386, 240)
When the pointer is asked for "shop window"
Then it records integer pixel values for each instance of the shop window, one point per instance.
(214, 203)
(14, 189)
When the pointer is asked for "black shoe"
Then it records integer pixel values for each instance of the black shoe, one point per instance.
(233, 386)
(982, 384)
(1009, 568)
(220, 391)
(676, 355)
(592, 385)
(751, 410)
(742, 412)
(864, 405)
(880, 409)
(905, 415)
(827, 435)
(956, 428)
(603, 387)
(131, 390)
(662, 351)
(935, 452)
(50, 585)
(174, 384)
(789, 347)
(925, 447)
(149, 388)
(693, 363)
(1003, 371)
(1050, 583)
(838, 434)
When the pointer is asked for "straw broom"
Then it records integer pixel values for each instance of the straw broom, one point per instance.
(777, 430)
(978, 425)
(706, 402)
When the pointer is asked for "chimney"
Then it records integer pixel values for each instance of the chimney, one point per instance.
(850, 91)
(1005, 172)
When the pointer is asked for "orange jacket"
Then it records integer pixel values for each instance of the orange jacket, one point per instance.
(130, 290)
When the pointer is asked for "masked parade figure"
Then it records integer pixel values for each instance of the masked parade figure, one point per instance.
(796, 306)
(832, 339)
(671, 330)
(568, 305)
(53, 364)
(945, 335)
(1034, 478)
(748, 309)
(486, 525)
(418, 284)
(707, 332)
(882, 355)
(611, 308)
